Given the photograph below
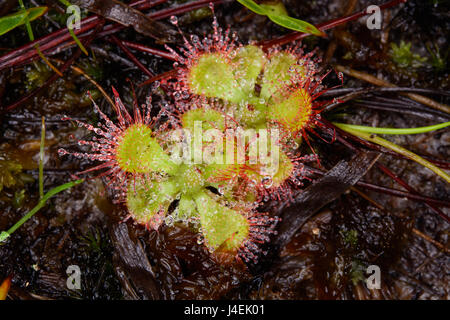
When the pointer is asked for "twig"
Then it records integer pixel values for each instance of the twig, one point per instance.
(383, 83)
(340, 134)
(335, 92)
(398, 104)
(50, 41)
(393, 131)
(132, 56)
(429, 239)
(90, 79)
(402, 194)
(156, 52)
(431, 114)
(53, 77)
(410, 189)
(390, 191)
(55, 39)
(164, 75)
(326, 25)
(386, 170)
(365, 196)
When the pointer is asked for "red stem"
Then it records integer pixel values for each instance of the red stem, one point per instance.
(146, 4)
(402, 194)
(27, 52)
(410, 189)
(326, 25)
(162, 14)
(159, 77)
(136, 61)
(393, 192)
(156, 52)
(63, 34)
(132, 56)
(54, 76)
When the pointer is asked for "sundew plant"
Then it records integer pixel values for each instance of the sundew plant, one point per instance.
(227, 143)
(238, 117)
(160, 154)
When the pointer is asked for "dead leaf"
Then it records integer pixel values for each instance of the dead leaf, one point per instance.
(127, 16)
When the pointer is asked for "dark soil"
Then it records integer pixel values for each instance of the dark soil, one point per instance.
(326, 259)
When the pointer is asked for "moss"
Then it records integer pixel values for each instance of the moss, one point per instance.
(404, 58)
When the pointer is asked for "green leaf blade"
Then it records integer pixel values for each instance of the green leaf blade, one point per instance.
(295, 24)
(17, 19)
(279, 15)
(379, 130)
(253, 6)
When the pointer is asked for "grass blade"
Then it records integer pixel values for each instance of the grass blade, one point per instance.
(41, 160)
(31, 36)
(295, 24)
(5, 234)
(277, 15)
(253, 6)
(378, 130)
(396, 148)
(14, 20)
